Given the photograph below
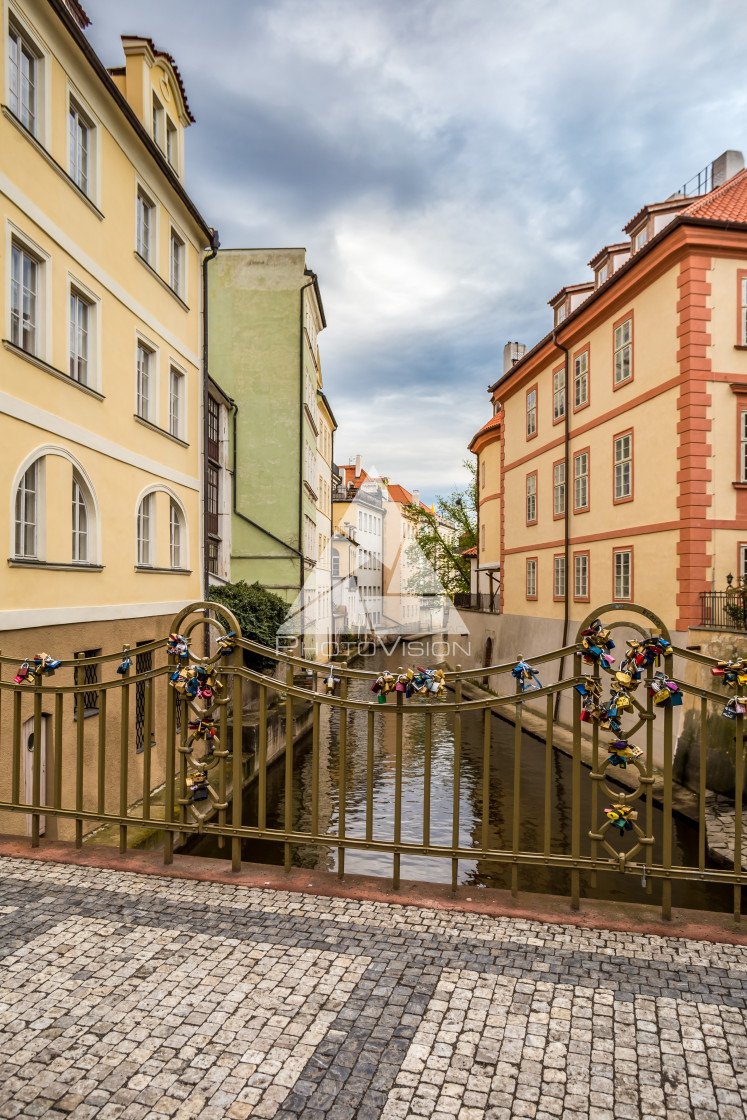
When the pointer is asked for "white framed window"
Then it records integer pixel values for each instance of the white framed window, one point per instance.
(743, 311)
(80, 522)
(145, 218)
(531, 412)
(159, 115)
(641, 239)
(560, 313)
(558, 589)
(176, 262)
(172, 143)
(624, 467)
(743, 561)
(558, 394)
(145, 531)
(81, 313)
(531, 579)
(581, 576)
(558, 489)
(176, 402)
(581, 380)
(176, 534)
(581, 481)
(23, 78)
(602, 275)
(531, 497)
(27, 507)
(25, 287)
(623, 351)
(80, 133)
(743, 446)
(623, 573)
(144, 374)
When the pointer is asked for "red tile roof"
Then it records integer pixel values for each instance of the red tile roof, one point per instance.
(727, 203)
(174, 67)
(401, 496)
(470, 551)
(493, 422)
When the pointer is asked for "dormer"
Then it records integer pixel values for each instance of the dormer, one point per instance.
(152, 84)
(607, 261)
(652, 219)
(568, 299)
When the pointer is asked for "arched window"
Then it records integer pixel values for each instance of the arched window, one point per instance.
(27, 513)
(80, 522)
(176, 535)
(145, 531)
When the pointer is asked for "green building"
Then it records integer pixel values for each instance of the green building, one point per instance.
(265, 313)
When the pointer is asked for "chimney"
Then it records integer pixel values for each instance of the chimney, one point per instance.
(512, 351)
(415, 497)
(358, 465)
(727, 164)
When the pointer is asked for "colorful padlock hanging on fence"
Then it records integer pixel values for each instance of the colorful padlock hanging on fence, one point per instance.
(622, 752)
(526, 676)
(384, 683)
(124, 664)
(203, 729)
(40, 665)
(331, 683)
(430, 682)
(733, 673)
(198, 784)
(649, 651)
(596, 643)
(666, 693)
(177, 646)
(226, 643)
(621, 817)
(737, 706)
(196, 682)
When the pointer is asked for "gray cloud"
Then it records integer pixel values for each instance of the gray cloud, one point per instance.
(448, 167)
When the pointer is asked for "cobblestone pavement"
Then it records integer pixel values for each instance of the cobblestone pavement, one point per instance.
(128, 996)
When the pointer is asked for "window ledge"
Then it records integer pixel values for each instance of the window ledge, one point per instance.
(739, 485)
(51, 566)
(41, 364)
(739, 346)
(311, 419)
(160, 279)
(10, 115)
(310, 491)
(161, 431)
(161, 571)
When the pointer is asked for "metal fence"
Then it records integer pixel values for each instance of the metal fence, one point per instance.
(92, 777)
(724, 610)
(471, 601)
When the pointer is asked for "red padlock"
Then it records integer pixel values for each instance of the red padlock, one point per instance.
(22, 673)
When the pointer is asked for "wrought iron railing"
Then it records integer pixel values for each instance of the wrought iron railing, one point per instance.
(189, 777)
(724, 610)
(471, 601)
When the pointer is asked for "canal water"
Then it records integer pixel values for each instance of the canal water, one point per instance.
(477, 872)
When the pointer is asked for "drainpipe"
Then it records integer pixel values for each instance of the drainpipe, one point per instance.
(566, 505)
(302, 386)
(214, 247)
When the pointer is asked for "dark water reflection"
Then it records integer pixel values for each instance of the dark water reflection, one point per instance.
(479, 872)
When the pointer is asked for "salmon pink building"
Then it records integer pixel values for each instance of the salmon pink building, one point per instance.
(617, 471)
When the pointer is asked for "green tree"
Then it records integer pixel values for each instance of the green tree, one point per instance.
(435, 557)
(259, 613)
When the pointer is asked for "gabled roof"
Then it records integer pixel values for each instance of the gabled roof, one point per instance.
(470, 551)
(172, 64)
(402, 496)
(569, 289)
(727, 203)
(609, 251)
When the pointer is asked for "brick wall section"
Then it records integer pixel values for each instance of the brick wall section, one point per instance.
(502, 504)
(694, 450)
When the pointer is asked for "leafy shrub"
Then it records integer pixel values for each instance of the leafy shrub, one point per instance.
(259, 613)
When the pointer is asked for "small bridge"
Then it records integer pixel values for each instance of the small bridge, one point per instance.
(166, 751)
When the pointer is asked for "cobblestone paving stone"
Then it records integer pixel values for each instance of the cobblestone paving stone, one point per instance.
(127, 997)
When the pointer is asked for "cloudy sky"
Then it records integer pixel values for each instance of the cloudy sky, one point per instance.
(448, 167)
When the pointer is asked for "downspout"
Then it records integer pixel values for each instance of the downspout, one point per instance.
(214, 247)
(566, 505)
(301, 387)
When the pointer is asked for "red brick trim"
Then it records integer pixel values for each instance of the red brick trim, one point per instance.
(741, 275)
(502, 528)
(693, 427)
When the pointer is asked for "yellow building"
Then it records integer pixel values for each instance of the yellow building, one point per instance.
(622, 457)
(100, 396)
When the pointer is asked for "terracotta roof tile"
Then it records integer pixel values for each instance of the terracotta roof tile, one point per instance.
(727, 203)
(494, 422)
(470, 551)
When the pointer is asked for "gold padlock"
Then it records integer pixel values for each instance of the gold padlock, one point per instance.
(662, 695)
(624, 679)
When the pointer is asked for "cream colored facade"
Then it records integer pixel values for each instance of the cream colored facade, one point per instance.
(100, 395)
(629, 421)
